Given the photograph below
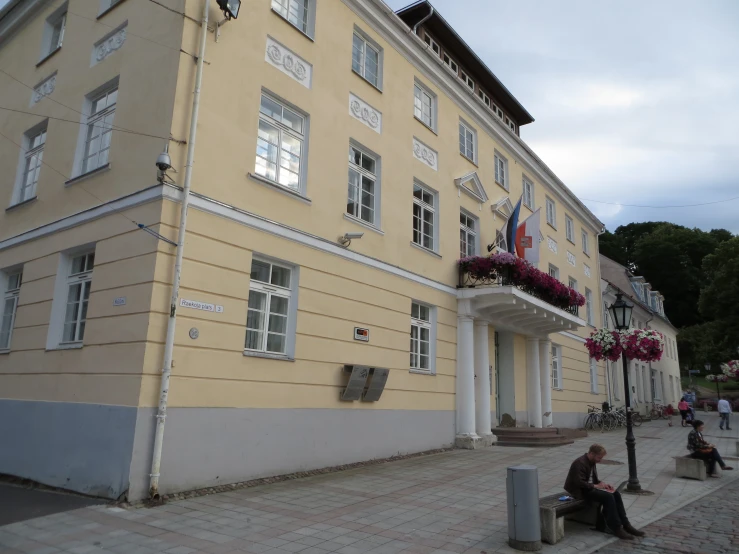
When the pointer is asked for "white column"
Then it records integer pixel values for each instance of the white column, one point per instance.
(465, 378)
(545, 362)
(482, 380)
(533, 382)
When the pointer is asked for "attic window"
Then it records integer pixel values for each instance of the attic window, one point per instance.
(432, 43)
(467, 79)
(451, 63)
(484, 97)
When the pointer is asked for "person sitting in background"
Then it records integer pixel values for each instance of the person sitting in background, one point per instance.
(683, 407)
(724, 411)
(702, 450)
(580, 486)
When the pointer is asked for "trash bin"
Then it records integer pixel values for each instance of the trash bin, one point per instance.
(524, 525)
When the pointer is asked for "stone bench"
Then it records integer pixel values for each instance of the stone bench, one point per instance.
(552, 513)
(691, 468)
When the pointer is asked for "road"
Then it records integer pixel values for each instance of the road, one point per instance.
(21, 503)
(707, 526)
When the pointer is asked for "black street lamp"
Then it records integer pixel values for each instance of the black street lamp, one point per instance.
(621, 315)
(708, 372)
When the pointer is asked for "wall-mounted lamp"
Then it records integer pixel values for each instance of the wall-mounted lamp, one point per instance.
(346, 240)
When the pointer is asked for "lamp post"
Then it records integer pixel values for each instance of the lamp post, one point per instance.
(621, 315)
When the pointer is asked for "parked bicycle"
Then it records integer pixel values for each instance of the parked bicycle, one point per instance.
(608, 421)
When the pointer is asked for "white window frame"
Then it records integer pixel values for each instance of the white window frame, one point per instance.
(423, 91)
(11, 280)
(510, 123)
(585, 242)
(557, 367)
(484, 97)
(570, 229)
(593, 376)
(467, 131)
(414, 349)
(551, 209)
(467, 80)
(107, 5)
(497, 111)
(49, 43)
(283, 130)
(97, 120)
(433, 45)
(28, 153)
(501, 170)
(368, 42)
(572, 283)
(65, 280)
(450, 63)
(528, 193)
(589, 306)
(377, 188)
(285, 9)
(290, 293)
(424, 207)
(553, 271)
(466, 231)
(614, 379)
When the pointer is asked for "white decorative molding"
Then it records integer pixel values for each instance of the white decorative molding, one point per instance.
(288, 62)
(552, 244)
(503, 207)
(360, 110)
(44, 88)
(109, 44)
(571, 258)
(586, 267)
(427, 155)
(472, 185)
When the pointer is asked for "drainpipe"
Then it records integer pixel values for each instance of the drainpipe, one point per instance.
(156, 459)
(417, 25)
(649, 381)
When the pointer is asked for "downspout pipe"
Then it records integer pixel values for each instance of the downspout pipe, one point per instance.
(424, 20)
(156, 458)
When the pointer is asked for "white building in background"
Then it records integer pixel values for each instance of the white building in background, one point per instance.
(650, 382)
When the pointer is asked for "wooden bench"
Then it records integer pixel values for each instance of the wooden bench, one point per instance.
(552, 513)
(691, 468)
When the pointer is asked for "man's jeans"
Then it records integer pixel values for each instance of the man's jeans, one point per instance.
(713, 458)
(613, 507)
(724, 419)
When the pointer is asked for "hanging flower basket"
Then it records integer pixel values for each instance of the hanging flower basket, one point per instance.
(604, 344)
(644, 345)
(731, 369)
(717, 378)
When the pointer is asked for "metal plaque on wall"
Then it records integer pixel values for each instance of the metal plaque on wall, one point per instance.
(379, 377)
(358, 375)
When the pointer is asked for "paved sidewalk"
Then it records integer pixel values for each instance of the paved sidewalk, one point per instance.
(707, 526)
(449, 503)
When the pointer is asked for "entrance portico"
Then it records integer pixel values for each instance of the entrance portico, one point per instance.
(510, 310)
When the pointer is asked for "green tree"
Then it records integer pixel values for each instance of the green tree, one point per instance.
(719, 298)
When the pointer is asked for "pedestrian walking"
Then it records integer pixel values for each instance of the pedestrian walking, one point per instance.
(669, 411)
(724, 412)
(702, 450)
(683, 407)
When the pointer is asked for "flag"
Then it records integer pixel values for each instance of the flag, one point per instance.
(509, 229)
(527, 238)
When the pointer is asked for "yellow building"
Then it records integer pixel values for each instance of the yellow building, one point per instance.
(316, 119)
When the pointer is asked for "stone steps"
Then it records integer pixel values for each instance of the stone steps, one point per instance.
(532, 437)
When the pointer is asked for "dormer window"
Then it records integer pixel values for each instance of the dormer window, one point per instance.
(484, 97)
(467, 79)
(432, 43)
(451, 63)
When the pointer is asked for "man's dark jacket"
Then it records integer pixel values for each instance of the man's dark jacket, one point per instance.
(578, 479)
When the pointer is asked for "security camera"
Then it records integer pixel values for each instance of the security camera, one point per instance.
(346, 240)
(164, 162)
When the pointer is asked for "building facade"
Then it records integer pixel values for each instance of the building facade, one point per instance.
(649, 382)
(317, 119)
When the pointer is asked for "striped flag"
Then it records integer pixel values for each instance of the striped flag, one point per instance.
(509, 229)
(527, 238)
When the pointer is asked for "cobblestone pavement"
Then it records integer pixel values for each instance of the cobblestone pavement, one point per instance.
(707, 526)
(449, 503)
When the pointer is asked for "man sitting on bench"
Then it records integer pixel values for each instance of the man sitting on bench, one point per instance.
(580, 486)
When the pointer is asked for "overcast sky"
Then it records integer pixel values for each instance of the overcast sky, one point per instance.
(635, 102)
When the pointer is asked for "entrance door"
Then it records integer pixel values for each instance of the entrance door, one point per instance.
(498, 411)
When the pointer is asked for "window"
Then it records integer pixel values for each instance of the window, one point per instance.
(467, 141)
(78, 296)
(99, 130)
(32, 161)
(484, 97)
(606, 325)
(556, 366)
(421, 326)
(614, 380)
(366, 59)
(467, 80)
(432, 43)
(280, 144)
(497, 111)
(268, 319)
(12, 289)
(551, 213)
(362, 185)
(53, 34)
(585, 242)
(593, 376)
(572, 283)
(569, 227)
(528, 193)
(467, 235)
(501, 170)
(511, 125)
(450, 63)
(106, 5)
(296, 12)
(553, 271)
(424, 214)
(589, 306)
(424, 106)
